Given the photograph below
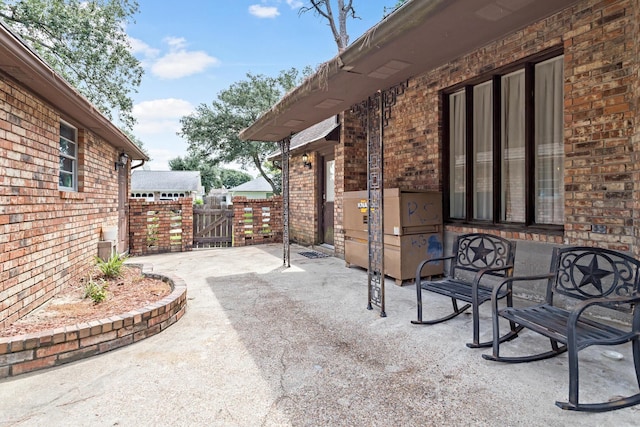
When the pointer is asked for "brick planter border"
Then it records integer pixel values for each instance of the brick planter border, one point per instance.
(31, 352)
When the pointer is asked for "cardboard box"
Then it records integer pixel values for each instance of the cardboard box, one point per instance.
(405, 211)
(401, 259)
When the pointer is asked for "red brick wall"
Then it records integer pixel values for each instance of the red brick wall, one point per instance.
(47, 237)
(351, 171)
(600, 41)
(248, 225)
(303, 204)
(163, 226)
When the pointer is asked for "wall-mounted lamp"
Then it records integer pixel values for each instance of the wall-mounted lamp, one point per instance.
(305, 161)
(123, 159)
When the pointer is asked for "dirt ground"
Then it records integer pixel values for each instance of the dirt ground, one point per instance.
(129, 291)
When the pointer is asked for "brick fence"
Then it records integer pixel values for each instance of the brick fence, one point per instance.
(257, 221)
(157, 227)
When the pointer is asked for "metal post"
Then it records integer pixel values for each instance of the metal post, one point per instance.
(374, 114)
(284, 149)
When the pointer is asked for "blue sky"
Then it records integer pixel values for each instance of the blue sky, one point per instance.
(193, 49)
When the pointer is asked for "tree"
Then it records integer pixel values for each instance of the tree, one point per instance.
(209, 173)
(338, 27)
(84, 41)
(389, 10)
(212, 130)
(232, 178)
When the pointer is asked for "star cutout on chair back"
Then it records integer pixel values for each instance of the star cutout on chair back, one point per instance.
(592, 274)
(480, 252)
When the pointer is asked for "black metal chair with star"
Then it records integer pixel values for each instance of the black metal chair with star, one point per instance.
(584, 285)
(478, 261)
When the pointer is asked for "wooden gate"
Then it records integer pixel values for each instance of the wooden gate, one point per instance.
(212, 228)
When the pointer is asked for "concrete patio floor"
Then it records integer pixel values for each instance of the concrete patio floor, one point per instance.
(263, 345)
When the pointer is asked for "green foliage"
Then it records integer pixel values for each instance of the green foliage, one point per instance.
(213, 129)
(389, 10)
(96, 291)
(111, 267)
(232, 178)
(84, 41)
(198, 202)
(209, 172)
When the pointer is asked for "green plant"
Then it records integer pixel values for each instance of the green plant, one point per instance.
(96, 291)
(112, 267)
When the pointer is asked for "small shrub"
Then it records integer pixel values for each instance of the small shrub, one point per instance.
(112, 267)
(96, 291)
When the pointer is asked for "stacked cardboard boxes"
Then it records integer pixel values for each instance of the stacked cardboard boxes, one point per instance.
(412, 231)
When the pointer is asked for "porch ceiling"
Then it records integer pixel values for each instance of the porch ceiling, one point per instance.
(419, 36)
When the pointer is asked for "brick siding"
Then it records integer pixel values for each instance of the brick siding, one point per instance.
(48, 237)
(602, 90)
(304, 200)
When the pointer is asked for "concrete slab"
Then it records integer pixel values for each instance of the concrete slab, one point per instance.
(272, 346)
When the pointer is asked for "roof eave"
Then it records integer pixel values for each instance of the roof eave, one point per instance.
(25, 66)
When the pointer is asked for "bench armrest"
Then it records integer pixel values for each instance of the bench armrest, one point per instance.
(509, 282)
(426, 261)
(577, 311)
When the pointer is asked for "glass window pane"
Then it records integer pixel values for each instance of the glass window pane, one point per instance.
(549, 142)
(66, 164)
(67, 147)
(483, 151)
(330, 176)
(68, 157)
(66, 180)
(457, 152)
(512, 135)
(67, 132)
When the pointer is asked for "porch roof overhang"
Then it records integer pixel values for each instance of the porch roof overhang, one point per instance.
(419, 36)
(22, 64)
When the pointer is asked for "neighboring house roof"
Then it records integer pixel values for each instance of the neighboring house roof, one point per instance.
(257, 185)
(20, 62)
(419, 36)
(142, 180)
(308, 136)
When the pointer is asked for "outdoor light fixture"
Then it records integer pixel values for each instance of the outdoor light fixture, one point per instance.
(305, 161)
(122, 161)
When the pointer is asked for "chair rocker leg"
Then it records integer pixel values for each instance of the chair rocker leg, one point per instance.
(614, 404)
(522, 359)
(513, 333)
(456, 312)
(601, 407)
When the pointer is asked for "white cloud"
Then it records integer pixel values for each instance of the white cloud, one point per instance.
(177, 63)
(160, 115)
(263, 11)
(182, 63)
(141, 48)
(295, 4)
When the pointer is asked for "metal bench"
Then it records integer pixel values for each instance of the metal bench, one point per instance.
(581, 278)
(475, 258)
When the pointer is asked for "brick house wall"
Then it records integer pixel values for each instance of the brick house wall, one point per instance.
(303, 200)
(601, 72)
(48, 237)
(351, 171)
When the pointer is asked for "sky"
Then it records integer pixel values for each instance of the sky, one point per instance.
(194, 49)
